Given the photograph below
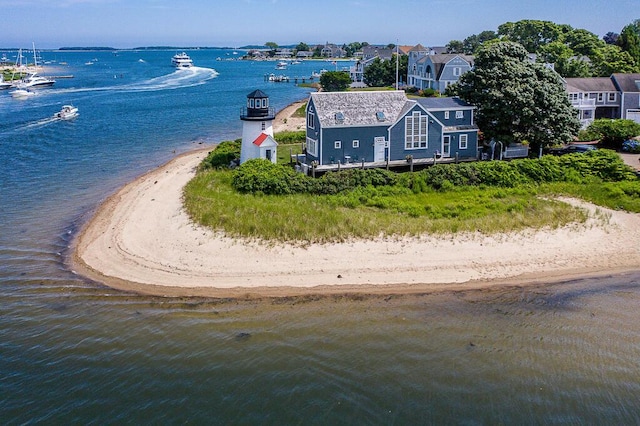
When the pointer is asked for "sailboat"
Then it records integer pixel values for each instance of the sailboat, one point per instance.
(33, 80)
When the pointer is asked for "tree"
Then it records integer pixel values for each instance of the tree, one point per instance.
(335, 81)
(611, 37)
(611, 59)
(516, 99)
(455, 46)
(629, 41)
(583, 42)
(302, 47)
(473, 42)
(272, 47)
(532, 34)
(381, 73)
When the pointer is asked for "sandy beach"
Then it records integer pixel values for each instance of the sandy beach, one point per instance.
(141, 239)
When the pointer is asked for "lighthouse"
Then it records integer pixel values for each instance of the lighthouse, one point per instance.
(257, 128)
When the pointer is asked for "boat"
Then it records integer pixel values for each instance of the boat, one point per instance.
(4, 84)
(67, 112)
(181, 60)
(33, 80)
(21, 93)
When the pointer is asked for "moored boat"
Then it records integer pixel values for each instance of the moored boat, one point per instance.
(4, 84)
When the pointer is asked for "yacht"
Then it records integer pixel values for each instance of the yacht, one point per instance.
(67, 112)
(34, 81)
(22, 93)
(181, 60)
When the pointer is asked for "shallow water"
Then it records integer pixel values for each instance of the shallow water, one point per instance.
(75, 352)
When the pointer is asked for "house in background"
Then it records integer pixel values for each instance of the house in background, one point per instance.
(369, 54)
(436, 71)
(617, 96)
(379, 126)
(595, 97)
(628, 86)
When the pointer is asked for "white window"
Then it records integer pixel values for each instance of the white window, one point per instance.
(264, 125)
(600, 97)
(459, 114)
(446, 145)
(463, 141)
(310, 121)
(446, 115)
(337, 144)
(355, 144)
(573, 96)
(415, 131)
(612, 96)
(312, 147)
(251, 103)
(264, 103)
(457, 71)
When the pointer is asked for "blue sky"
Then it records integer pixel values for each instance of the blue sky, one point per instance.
(131, 23)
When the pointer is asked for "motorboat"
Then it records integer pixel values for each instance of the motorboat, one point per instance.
(67, 112)
(4, 84)
(22, 93)
(281, 65)
(182, 60)
(34, 80)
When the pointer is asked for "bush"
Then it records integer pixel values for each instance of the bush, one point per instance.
(288, 137)
(262, 176)
(222, 155)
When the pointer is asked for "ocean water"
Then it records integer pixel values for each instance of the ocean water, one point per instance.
(75, 352)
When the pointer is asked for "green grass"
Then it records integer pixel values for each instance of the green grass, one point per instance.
(285, 151)
(368, 213)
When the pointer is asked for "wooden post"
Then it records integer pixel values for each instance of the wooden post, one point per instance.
(290, 155)
(387, 162)
(411, 164)
(363, 164)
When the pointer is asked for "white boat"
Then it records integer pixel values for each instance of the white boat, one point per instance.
(181, 60)
(281, 65)
(67, 112)
(33, 80)
(4, 84)
(21, 93)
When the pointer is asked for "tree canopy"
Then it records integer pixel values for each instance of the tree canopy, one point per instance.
(517, 99)
(381, 73)
(335, 81)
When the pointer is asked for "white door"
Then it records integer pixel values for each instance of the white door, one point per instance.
(446, 146)
(379, 145)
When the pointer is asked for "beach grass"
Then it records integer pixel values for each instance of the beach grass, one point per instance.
(303, 218)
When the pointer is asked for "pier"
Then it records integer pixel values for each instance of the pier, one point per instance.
(280, 78)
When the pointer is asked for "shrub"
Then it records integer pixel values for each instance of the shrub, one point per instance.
(288, 137)
(223, 154)
(262, 176)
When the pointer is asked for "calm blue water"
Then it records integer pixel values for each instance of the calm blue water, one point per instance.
(74, 352)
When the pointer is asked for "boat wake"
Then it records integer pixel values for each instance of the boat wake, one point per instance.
(32, 125)
(179, 79)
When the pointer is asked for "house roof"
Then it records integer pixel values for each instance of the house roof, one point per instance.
(627, 82)
(418, 48)
(444, 103)
(404, 50)
(342, 109)
(265, 137)
(440, 60)
(591, 84)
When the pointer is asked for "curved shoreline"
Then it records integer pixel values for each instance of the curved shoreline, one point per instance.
(141, 239)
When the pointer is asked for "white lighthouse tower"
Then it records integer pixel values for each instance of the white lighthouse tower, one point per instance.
(257, 128)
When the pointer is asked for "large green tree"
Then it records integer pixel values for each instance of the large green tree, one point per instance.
(611, 59)
(335, 81)
(381, 73)
(629, 41)
(532, 34)
(517, 99)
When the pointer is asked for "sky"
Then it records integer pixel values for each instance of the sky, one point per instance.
(124, 24)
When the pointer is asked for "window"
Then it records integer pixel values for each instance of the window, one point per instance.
(457, 71)
(380, 116)
(339, 117)
(573, 97)
(446, 115)
(600, 97)
(251, 103)
(337, 144)
(459, 114)
(355, 144)
(310, 121)
(264, 103)
(446, 145)
(415, 131)
(463, 141)
(264, 125)
(312, 147)
(612, 96)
